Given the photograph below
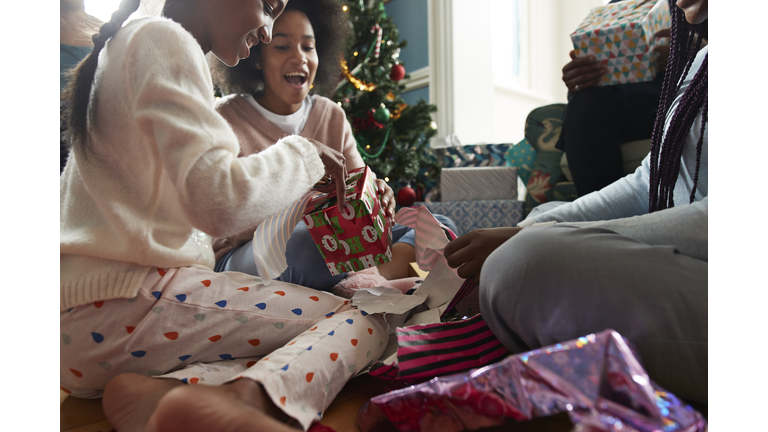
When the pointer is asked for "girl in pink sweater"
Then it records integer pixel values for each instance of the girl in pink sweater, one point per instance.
(270, 98)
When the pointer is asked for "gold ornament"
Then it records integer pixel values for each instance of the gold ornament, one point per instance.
(397, 111)
(358, 83)
(390, 96)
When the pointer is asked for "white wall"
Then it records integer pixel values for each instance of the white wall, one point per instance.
(488, 110)
(472, 74)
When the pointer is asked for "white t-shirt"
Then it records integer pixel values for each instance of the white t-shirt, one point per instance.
(292, 123)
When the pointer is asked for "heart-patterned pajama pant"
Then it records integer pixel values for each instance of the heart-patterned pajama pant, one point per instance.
(202, 327)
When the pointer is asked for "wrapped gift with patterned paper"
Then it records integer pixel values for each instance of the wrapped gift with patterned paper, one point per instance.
(621, 35)
(472, 215)
(479, 155)
(356, 237)
(478, 183)
(596, 380)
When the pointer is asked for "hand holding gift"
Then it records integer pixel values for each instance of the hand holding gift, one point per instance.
(352, 234)
(582, 72)
(335, 170)
(387, 198)
(622, 37)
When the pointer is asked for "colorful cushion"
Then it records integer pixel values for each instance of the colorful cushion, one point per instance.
(565, 191)
(542, 130)
(521, 156)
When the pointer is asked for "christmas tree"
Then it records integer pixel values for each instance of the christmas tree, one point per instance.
(393, 137)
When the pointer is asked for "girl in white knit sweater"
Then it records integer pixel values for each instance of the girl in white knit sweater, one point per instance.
(153, 173)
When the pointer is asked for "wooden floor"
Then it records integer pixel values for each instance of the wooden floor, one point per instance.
(82, 415)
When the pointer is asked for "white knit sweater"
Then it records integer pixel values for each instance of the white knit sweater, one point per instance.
(164, 173)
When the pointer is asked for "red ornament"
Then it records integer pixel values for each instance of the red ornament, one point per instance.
(398, 72)
(406, 196)
(367, 123)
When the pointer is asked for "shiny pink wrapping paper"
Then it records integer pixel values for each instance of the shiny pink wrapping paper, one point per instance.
(596, 379)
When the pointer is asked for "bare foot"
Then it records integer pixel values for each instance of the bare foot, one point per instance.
(137, 403)
(129, 399)
(239, 406)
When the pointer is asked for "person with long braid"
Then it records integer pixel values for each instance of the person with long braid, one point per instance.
(76, 28)
(153, 173)
(631, 257)
(597, 120)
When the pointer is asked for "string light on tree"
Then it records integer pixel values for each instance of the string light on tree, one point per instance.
(392, 137)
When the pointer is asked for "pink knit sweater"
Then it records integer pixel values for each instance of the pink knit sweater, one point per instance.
(326, 123)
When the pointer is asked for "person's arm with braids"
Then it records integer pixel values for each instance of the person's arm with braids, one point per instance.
(623, 205)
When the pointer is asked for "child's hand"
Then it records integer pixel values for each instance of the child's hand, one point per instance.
(335, 170)
(387, 198)
(470, 251)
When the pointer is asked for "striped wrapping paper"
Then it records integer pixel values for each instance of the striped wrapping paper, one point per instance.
(271, 237)
(430, 234)
(429, 350)
(443, 282)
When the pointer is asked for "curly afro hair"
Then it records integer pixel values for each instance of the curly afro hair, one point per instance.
(331, 27)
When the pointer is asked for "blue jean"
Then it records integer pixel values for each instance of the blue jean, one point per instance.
(306, 266)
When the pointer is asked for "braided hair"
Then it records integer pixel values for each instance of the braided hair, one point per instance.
(331, 27)
(685, 42)
(78, 90)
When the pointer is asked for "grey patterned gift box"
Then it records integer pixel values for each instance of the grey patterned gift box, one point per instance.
(478, 183)
(472, 215)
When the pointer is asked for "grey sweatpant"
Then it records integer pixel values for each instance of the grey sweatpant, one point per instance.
(551, 284)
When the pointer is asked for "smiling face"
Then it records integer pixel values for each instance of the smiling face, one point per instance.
(696, 11)
(232, 27)
(288, 64)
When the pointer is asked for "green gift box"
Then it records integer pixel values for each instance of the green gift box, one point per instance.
(356, 237)
(621, 36)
